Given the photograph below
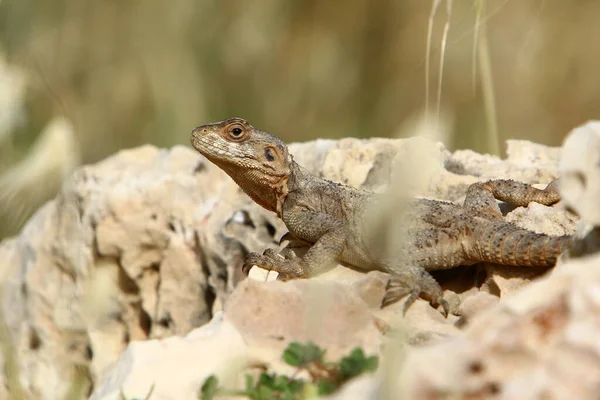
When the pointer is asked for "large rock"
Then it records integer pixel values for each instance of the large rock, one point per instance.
(542, 342)
(145, 366)
(580, 172)
(148, 244)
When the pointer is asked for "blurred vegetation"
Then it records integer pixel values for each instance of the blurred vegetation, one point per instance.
(326, 377)
(130, 72)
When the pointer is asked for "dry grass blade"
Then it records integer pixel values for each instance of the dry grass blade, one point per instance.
(434, 7)
(488, 90)
(442, 57)
(478, 11)
(36, 178)
(12, 93)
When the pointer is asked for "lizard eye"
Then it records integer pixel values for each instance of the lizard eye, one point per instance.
(236, 131)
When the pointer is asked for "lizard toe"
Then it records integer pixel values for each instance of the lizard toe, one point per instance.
(410, 300)
(445, 307)
(287, 267)
(250, 261)
(392, 295)
(419, 285)
(267, 260)
(272, 254)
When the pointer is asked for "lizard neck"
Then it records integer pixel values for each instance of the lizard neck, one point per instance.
(266, 190)
(273, 189)
(298, 178)
(295, 179)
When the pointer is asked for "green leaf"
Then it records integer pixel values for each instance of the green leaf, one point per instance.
(250, 389)
(210, 387)
(299, 355)
(372, 364)
(325, 387)
(292, 355)
(352, 364)
(356, 363)
(280, 387)
(282, 383)
(264, 393)
(266, 379)
(295, 385)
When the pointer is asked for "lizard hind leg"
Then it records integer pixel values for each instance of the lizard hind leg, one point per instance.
(414, 283)
(482, 196)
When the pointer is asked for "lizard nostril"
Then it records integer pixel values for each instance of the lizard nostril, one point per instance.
(204, 130)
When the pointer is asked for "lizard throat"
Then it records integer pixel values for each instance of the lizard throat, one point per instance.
(268, 191)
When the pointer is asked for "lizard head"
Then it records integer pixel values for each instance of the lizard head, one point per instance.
(257, 161)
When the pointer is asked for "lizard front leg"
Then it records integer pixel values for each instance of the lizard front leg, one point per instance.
(329, 237)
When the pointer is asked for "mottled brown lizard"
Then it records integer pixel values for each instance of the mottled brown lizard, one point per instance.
(330, 217)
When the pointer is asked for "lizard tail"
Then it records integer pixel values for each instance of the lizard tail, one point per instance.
(509, 245)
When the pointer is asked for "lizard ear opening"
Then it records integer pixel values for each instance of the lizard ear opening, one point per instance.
(270, 154)
(277, 158)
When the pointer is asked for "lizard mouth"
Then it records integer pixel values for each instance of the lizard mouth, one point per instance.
(209, 148)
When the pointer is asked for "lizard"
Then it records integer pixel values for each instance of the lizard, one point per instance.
(329, 217)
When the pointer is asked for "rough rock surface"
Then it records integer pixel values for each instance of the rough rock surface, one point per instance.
(148, 244)
(540, 343)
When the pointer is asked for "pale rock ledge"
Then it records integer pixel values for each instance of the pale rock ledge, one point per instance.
(118, 278)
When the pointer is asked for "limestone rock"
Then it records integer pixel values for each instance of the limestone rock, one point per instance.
(526, 161)
(580, 172)
(186, 361)
(580, 183)
(148, 245)
(139, 246)
(540, 343)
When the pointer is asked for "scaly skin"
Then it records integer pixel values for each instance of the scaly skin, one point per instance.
(330, 217)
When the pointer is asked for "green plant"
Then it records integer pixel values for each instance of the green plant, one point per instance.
(123, 397)
(325, 377)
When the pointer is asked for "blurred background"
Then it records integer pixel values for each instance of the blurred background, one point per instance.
(81, 79)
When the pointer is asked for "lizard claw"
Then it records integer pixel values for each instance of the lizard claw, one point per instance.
(392, 295)
(288, 236)
(288, 267)
(424, 284)
(249, 262)
(267, 260)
